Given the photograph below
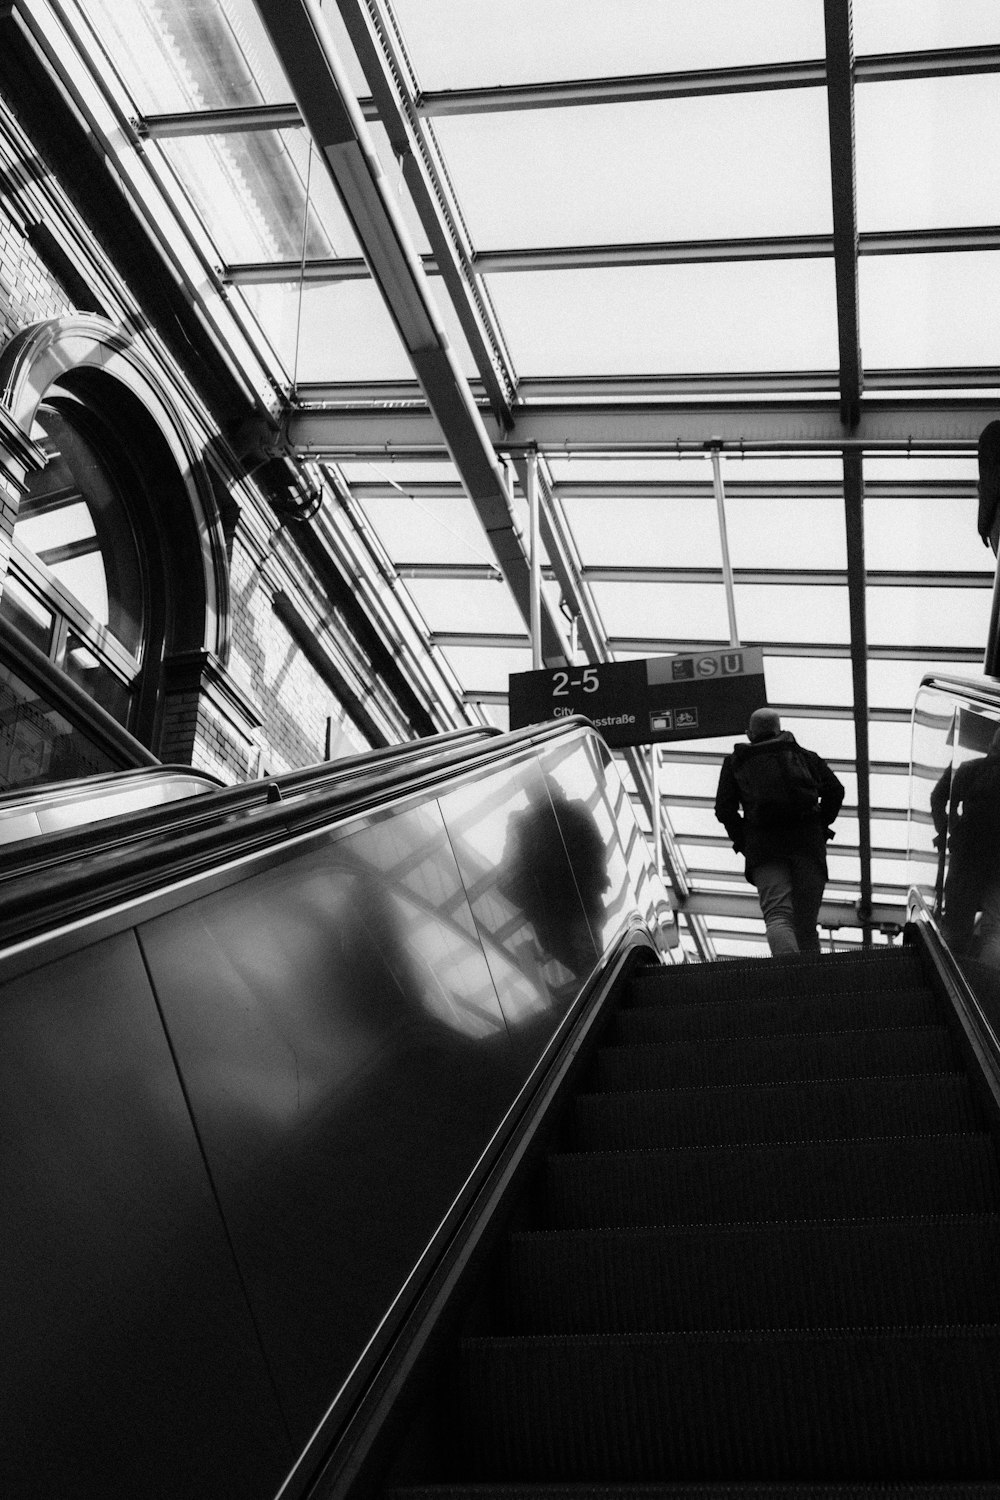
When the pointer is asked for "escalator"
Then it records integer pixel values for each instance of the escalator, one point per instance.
(364, 1141)
(761, 1252)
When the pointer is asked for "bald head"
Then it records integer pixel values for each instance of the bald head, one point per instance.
(764, 722)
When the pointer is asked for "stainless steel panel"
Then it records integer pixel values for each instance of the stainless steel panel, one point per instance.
(128, 1361)
(533, 926)
(347, 1062)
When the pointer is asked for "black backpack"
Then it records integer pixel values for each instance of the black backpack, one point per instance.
(777, 786)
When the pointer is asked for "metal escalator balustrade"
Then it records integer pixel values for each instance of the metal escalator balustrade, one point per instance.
(248, 1104)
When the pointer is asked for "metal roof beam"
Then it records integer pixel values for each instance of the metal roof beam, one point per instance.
(875, 68)
(641, 253)
(579, 388)
(380, 51)
(298, 33)
(884, 424)
(840, 108)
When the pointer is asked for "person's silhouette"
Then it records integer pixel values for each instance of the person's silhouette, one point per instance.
(965, 806)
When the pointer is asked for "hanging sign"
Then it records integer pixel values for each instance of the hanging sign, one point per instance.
(651, 701)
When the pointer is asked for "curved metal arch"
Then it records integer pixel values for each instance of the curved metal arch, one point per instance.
(57, 349)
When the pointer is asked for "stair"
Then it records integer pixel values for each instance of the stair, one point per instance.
(764, 1257)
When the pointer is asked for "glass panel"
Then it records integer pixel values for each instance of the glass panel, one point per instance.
(74, 520)
(461, 43)
(432, 530)
(176, 56)
(27, 613)
(923, 310)
(469, 606)
(664, 611)
(88, 672)
(894, 25)
(343, 331)
(808, 679)
(894, 684)
(792, 612)
(556, 175)
(250, 192)
(926, 152)
(889, 742)
(486, 669)
(37, 744)
(663, 319)
(926, 532)
(623, 531)
(797, 532)
(916, 616)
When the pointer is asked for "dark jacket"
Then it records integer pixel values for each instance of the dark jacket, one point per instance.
(777, 838)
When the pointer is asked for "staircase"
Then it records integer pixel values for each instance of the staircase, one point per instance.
(764, 1255)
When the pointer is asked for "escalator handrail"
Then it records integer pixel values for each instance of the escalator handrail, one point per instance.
(128, 870)
(46, 850)
(984, 691)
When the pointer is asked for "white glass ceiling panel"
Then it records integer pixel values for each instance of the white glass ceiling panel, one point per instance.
(664, 319)
(894, 684)
(250, 192)
(625, 531)
(920, 617)
(929, 310)
(890, 792)
(400, 471)
(462, 43)
(620, 173)
(932, 532)
(889, 742)
(469, 606)
(693, 820)
(691, 780)
(668, 611)
(798, 532)
(940, 468)
(888, 833)
(893, 25)
(928, 152)
(487, 668)
(792, 612)
(843, 867)
(805, 679)
(429, 530)
(832, 738)
(343, 331)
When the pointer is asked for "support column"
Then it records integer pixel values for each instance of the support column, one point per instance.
(854, 521)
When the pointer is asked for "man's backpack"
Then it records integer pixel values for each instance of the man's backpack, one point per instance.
(777, 786)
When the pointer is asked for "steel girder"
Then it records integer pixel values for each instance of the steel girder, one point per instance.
(300, 38)
(885, 423)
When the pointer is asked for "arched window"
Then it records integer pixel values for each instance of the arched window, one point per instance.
(78, 586)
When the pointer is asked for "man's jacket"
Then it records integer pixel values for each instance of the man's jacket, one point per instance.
(765, 832)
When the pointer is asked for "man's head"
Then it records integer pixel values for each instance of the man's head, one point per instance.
(764, 723)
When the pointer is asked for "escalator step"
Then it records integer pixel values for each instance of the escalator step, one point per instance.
(790, 1406)
(770, 1017)
(925, 1104)
(749, 1059)
(840, 1274)
(705, 1491)
(807, 1180)
(805, 975)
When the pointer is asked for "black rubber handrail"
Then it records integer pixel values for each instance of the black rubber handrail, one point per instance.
(46, 850)
(123, 871)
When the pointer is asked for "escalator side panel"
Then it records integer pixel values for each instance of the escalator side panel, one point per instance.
(128, 1360)
(347, 1062)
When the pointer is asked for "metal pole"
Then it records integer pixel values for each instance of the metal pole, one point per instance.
(654, 778)
(727, 567)
(535, 563)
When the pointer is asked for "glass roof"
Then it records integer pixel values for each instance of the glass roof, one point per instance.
(622, 219)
